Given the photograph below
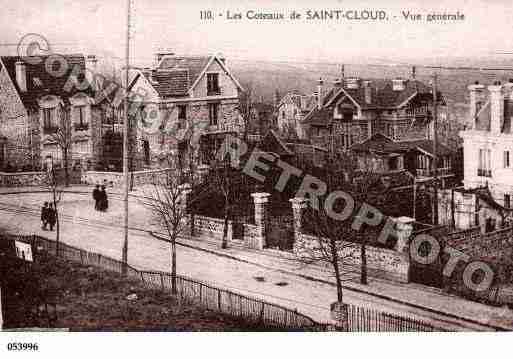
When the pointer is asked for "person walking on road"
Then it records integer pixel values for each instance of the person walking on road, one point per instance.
(52, 216)
(104, 201)
(97, 197)
(44, 216)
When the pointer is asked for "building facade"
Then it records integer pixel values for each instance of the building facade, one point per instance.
(488, 142)
(46, 106)
(290, 112)
(189, 105)
(355, 109)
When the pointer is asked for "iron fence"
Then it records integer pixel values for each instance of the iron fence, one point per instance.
(369, 320)
(264, 314)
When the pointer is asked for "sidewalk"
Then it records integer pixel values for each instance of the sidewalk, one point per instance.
(419, 296)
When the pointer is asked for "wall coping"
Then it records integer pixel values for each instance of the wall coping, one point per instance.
(21, 173)
(260, 197)
(134, 172)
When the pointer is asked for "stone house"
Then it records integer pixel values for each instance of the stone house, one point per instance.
(290, 111)
(381, 154)
(190, 103)
(47, 103)
(354, 109)
(487, 150)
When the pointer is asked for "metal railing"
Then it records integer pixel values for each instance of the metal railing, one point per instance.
(252, 310)
(264, 314)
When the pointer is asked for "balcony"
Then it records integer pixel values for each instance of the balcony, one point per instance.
(50, 130)
(81, 126)
(214, 91)
(484, 173)
(441, 172)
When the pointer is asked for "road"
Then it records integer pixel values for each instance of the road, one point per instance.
(102, 233)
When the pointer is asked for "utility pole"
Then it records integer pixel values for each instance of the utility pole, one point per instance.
(125, 145)
(435, 153)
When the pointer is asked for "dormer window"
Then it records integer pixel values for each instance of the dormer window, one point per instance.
(213, 84)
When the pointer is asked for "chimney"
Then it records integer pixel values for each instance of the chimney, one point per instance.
(477, 100)
(90, 73)
(319, 93)
(368, 92)
(160, 54)
(508, 90)
(414, 72)
(353, 83)
(398, 84)
(496, 107)
(21, 75)
(342, 72)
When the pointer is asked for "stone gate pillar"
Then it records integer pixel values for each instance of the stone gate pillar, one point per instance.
(260, 200)
(404, 228)
(298, 206)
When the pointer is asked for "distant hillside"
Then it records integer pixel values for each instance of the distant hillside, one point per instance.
(266, 77)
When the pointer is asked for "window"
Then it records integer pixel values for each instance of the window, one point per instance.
(507, 201)
(80, 118)
(213, 84)
(213, 113)
(506, 159)
(146, 151)
(484, 166)
(49, 120)
(182, 116)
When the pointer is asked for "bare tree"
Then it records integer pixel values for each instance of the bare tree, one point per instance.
(167, 201)
(62, 137)
(221, 180)
(246, 109)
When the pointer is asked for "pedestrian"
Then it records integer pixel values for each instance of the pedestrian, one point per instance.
(96, 197)
(44, 216)
(104, 201)
(52, 216)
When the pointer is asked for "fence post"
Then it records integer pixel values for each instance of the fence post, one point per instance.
(219, 299)
(298, 206)
(260, 200)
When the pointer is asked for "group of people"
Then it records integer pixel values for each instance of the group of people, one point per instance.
(101, 202)
(48, 216)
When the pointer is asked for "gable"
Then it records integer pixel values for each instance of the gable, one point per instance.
(229, 86)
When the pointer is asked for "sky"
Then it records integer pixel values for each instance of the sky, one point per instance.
(92, 26)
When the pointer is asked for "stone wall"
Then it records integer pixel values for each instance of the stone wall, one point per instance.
(22, 179)
(381, 263)
(13, 123)
(211, 227)
(115, 179)
(474, 243)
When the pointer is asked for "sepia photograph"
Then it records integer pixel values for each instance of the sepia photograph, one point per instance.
(297, 171)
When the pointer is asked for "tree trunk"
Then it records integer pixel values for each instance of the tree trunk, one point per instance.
(363, 278)
(66, 169)
(173, 267)
(336, 268)
(224, 243)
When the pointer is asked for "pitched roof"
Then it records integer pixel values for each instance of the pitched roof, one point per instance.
(193, 64)
(40, 82)
(380, 143)
(382, 97)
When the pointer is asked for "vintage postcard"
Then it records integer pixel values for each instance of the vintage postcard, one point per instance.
(255, 166)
